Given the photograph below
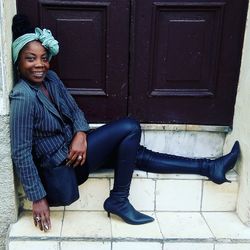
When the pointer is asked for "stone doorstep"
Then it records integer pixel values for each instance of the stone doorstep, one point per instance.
(183, 139)
(169, 231)
(155, 192)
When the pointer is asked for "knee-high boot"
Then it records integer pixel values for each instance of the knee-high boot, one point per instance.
(215, 170)
(118, 202)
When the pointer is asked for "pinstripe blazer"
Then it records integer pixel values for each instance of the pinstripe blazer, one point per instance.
(39, 132)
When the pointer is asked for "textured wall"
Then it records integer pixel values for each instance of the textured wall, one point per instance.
(241, 130)
(8, 208)
(7, 192)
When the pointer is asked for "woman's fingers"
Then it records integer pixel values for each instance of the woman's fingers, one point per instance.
(72, 158)
(41, 214)
(77, 159)
(46, 222)
(80, 160)
(83, 159)
(43, 222)
(77, 150)
(37, 219)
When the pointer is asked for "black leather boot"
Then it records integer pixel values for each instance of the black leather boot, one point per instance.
(215, 170)
(118, 204)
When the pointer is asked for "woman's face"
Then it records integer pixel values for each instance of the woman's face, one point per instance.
(33, 62)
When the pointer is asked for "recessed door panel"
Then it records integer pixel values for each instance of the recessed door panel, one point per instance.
(93, 59)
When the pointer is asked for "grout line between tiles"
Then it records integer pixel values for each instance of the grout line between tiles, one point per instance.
(202, 193)
(155, 195)
(120, 239)
(64, 210)
(158, 222)
(202, 215)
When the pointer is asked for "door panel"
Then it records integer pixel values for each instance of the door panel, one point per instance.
(184, 50)
(82, 36)
(93, 58)
(183, 56)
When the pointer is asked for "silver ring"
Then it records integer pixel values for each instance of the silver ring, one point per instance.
(79, 158)
(37, 218)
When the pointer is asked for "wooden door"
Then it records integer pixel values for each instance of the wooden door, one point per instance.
(164, 61)
(93, 58)
(186, 60)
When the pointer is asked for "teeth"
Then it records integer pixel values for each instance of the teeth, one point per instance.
(39, 74)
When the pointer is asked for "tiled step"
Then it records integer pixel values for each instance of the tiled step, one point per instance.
(166, 192)
(77, 230)
(191, 213)
(158, 192)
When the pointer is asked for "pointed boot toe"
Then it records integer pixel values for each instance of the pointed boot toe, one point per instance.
(123, 209)
(219, 167)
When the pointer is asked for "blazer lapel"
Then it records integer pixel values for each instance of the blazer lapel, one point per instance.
(53, 93)
(47, 103)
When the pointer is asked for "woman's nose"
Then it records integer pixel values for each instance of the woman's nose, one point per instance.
(39, 63)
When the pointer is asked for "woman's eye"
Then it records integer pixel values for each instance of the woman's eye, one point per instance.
(30, 59)
(45, 59)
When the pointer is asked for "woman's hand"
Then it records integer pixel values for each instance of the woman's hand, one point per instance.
(41, 214)
(77, 150)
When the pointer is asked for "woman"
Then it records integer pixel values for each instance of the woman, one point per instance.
(47, 127)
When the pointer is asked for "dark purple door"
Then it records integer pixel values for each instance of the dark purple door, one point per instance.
(158, 61)
(93, 58)
(186, 60)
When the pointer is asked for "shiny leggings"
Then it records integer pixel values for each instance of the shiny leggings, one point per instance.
(114, 145)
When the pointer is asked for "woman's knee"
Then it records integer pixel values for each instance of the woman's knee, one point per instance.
(130, 124)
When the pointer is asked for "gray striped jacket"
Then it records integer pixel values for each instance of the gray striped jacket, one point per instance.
(38, 130)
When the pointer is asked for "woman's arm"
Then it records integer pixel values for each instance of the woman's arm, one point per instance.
(78, 146)
(22, 122)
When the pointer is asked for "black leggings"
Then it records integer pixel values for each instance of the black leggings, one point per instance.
(114, 145)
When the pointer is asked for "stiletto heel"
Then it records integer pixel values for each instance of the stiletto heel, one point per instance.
(216, 169)
(108, 214)
(120, 206)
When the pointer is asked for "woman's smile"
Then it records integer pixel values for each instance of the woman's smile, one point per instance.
(33, 62)
(39, 74)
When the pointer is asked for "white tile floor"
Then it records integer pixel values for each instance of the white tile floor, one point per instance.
(166, 192)
(82, 230)
(179, 200)
(189, 214)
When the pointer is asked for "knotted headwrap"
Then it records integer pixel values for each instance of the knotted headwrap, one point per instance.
(44, 36)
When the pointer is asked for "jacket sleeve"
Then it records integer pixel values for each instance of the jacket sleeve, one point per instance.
(21, 123)
(79, 121)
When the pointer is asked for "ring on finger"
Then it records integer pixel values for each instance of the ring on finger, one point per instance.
(37, 218)
(79, 158)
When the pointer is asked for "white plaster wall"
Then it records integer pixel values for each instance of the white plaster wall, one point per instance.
(241, 130)
(8, 208)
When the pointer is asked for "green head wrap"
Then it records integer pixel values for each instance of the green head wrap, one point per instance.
(44, 36)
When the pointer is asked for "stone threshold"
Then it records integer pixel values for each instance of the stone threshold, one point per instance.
(232, 175)
(152, 192)
(177, 127)
(74, 227)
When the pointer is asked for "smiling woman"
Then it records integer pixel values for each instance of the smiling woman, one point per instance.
(34, 62)
(50, 138)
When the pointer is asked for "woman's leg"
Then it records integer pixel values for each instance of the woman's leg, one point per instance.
(215, 170)
(119, 139)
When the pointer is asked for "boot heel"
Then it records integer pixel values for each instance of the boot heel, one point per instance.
(108, 213)
(122, 208)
